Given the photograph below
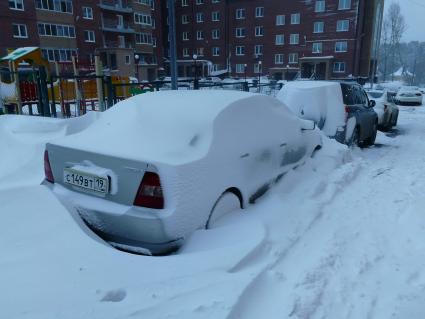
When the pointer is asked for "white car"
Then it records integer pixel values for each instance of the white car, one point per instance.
(385, 108)
(409, 95)
(158, 166)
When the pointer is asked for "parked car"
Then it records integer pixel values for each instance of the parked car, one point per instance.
(409, 95)
(158, 166)
(341, 109)
(385, 108)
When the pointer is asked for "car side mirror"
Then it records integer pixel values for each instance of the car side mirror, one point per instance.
(307, 125)
(372, 103)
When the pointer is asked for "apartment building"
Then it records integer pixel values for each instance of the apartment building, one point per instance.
(322, 39)
(119, 31)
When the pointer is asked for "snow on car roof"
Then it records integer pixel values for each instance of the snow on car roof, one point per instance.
(166, 126)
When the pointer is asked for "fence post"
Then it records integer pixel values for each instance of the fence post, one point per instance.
(77, 91)
(53, 104)
(245, 86)
(111, 91)
(17, 88)
(43, 90)
(99, 86)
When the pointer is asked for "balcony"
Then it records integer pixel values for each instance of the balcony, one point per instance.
(114, 26)
(116, 6)
(118, 45)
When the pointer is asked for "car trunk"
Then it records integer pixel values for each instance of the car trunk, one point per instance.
(124, 176)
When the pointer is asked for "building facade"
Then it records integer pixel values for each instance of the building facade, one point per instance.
(119, 31)
(320, 39)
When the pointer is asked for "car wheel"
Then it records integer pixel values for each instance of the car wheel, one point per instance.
(226, 203)
(355, 137)
(371, 140)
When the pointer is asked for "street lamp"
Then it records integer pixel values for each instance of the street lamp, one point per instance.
(136, 61)
(195, 83)
(259, 74)
(245, 67)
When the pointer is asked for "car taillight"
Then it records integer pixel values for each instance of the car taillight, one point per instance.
(347, 110)
(385, 107)
(418, 94)
(47, 168)
(149, 193)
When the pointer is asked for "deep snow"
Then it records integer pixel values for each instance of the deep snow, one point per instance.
(340, 237)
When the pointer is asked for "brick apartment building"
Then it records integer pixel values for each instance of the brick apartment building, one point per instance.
(322, 38)
(281, 38)
(117, 30)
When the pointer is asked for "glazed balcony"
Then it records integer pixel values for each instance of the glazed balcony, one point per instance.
(114, 26)
(120, 6)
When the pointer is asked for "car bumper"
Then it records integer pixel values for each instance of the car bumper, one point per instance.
(125, 227)
(409, 99)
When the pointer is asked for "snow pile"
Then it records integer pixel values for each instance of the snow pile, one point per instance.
(318, 101)
(22, 141)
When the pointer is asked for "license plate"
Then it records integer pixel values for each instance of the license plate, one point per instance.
(85, 180)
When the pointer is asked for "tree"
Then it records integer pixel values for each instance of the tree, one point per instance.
(397, 27)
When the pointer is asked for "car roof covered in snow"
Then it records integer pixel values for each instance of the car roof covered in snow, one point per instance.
(167, 126)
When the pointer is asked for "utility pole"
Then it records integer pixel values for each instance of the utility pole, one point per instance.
(173, 50)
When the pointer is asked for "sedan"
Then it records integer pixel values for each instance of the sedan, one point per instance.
(409, 95)
(158, 166)
(385, 108)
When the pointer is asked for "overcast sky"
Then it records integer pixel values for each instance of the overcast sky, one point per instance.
(414, 13)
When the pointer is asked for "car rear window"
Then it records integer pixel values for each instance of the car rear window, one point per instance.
(348, 94)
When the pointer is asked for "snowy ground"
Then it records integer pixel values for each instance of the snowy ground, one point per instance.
(340, 237)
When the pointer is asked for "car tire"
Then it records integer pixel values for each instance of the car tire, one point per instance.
(226, 203)
(371, 139)
(355, 137)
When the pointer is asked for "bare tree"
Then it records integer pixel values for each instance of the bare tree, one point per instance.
(397, 27)
(385, 49)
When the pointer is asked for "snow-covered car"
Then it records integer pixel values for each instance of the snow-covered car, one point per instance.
(341, 110)
(385, 108)
(158, 166)
(409, 95)
(210, 80)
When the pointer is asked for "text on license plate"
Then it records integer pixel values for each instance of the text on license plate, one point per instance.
(84, 180)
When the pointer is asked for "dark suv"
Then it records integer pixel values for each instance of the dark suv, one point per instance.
(361, 119)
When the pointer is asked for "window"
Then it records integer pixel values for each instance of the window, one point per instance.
(278, 58)
(199, 17)
(339, 67)
(200, 51)
(142, 18)
(154, 42)
(280, 39)
(344, 4)
(293, 58)
(216, 51)
(19, 30)
(199, 35)
(341, 46)
(215, 1)
(16, 4)
(294, 38)
(143, 38)
(240, 32)
(61, 55)
(127, 59)
(198, 2)
(259, 12)
(184, 3)
(240, 68)
(319, 27)
(342, 25)
(320, 6)
(317, 47)
(185, 52)
(258, 49)
(185, 19)
(295, 18)
(215, 34)
(259, 32)
(215, 16)
(146, 2)
(89, 36)
(56, 30)
(64, 6)
(240, 13)
(87, 13)
(240, 50)
(280, 19)
(185, 36)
